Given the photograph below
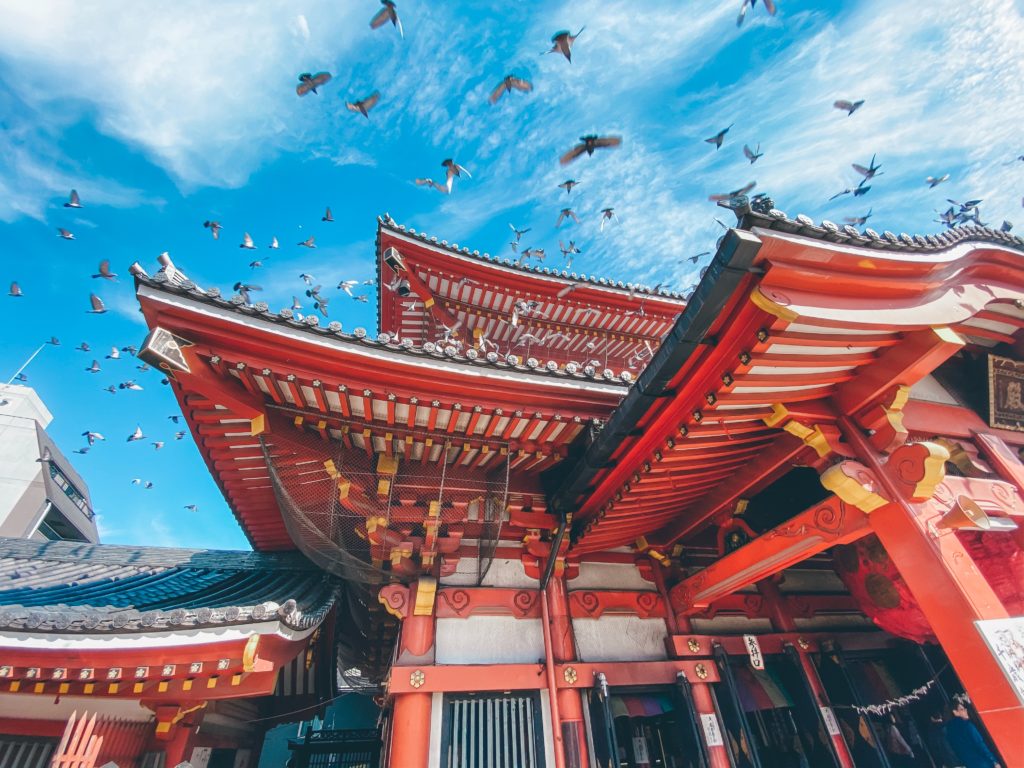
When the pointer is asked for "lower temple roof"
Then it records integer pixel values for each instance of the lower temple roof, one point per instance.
(69, 587)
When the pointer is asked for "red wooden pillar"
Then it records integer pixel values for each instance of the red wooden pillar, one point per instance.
(703, 702)
(783, 622)
(410, 715)
(949, 588)
(570, 703)
(178, 748)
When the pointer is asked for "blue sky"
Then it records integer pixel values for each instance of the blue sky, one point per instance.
(162, 115)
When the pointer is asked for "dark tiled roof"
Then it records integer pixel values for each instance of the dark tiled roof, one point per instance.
(386, 222)
(58, 586)
(178, 284)
(868, 238)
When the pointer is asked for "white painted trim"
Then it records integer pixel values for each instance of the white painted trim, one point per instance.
(549, 739)
(428, 363)
(142, 640)
(436, 713)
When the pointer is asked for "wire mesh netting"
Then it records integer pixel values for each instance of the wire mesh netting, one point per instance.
(372, 510)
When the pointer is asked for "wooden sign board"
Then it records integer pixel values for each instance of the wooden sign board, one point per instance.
(1005, 393)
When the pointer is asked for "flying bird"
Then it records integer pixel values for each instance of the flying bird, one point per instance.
(95, 367)
(104, 271)
(518, 232)
(870, 171)
(432, 184)
(722, 197)
(158, 444)
(65, 234)
(214, 227)
(848, 106)
(507, 84)
(247, 243)
(83, 347)
(588, 144)
(130, 385)
(81, 451)
(273, 243)
(255, 264)
(769, 5)
(92, 437)
(719, 137)
(607, 215)
(568, 184)
(244, 288)
(115, 354)
(566, 213)
(309, 242)
(97, 305)
(15, 291)
(135, 436)
(308, 83)
(388, 13)
(328, 216)
(192, 507)
(934, 181)
(54, 341)
(347, 286)
(695, 258)
(858, 221)
(857, 191)
(561, 42)
(73, 200)
(364, 105)
(453, 169)
(131, 349)
(752, 155)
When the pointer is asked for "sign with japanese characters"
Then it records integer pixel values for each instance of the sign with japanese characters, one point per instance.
(712, 733)
(831, 724)
(1005, 393)
(754, 651)
(1005, 638)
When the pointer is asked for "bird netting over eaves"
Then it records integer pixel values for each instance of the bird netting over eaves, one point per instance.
(372, 518)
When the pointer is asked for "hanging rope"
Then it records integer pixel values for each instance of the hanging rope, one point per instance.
(899, 702)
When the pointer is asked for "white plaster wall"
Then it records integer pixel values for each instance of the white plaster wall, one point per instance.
(18, 705)
(508, 573)
(610, 576)
(731, 625)
(929, 390)
(488, 640)
(620, 638)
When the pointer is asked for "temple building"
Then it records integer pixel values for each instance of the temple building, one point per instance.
(565, 522)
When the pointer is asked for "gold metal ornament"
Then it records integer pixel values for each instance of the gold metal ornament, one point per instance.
(702, 671)
(569, 673)
(693, 644)
(417, 678)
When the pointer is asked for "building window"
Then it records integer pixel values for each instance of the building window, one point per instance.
(489, 730)
(76, 496)
(56, 527)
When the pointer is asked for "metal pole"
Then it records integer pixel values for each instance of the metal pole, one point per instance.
(932, 674)
(879, 750)
(609, 721)
(723, 665)
(794, 656)
(686, 694)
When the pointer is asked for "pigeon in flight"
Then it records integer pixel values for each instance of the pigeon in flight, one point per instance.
(432, 184)
(244, 288)
(695, 258)
(607, 215)
(869, 172)
(97, 305)
(115, 354)
(130, 385)
(309, 242)
(247, 242)
(192, 507)
(388, 13)
(453, 169)
(848, 106)
(255, 264)
(507, 84)
(769, 5)
(561, 42)
(719, 137)
(65, 234)
(568, 184)
(752, 155)
(306, 278)
(566, 213)
(568, 253)
(73, 200)
(858, 221)
(158, 444)
(328, 216)
(54, 341)
(308, 83)
(134, 437)
(104, 271)
(15, 291)
(858, 191)
(347, 286)
(273, 243)
(131, 349)
(92, 437)
(364, 105)
(179, 435)
(934, 181)
(81, 451)
(95, 367)
(722, 197)
(83, 347)
(518, 232)
(214, 227)
(588, 144)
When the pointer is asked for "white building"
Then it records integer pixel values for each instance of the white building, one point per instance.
(41, 495)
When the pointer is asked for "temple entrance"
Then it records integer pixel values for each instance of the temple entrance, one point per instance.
(649, 728)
